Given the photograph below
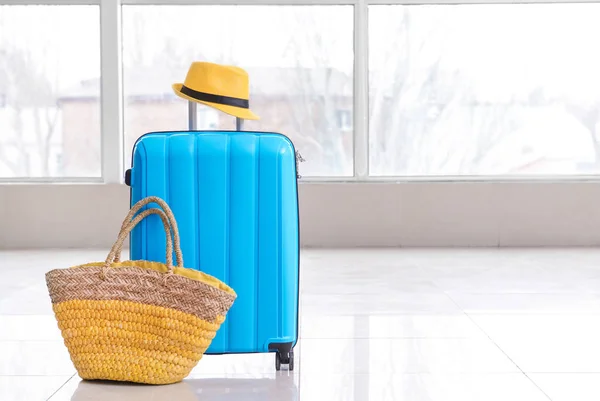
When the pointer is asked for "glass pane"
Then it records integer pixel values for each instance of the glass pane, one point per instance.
(505, 89)
(49, 91)
(299, 59)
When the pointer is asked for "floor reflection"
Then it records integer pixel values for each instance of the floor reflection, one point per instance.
(278, 387)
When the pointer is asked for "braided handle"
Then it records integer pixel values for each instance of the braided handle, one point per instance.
(172, 222)
(113, 255)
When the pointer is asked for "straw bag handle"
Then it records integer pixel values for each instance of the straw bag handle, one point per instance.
(172, 222)
(116, 248)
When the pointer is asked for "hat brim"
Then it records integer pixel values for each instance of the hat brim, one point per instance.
(245, 114)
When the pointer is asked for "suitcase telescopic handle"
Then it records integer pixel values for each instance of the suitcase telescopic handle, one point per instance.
(193, 118)
(239, 125)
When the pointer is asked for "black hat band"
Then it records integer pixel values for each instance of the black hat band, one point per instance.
(209, 97)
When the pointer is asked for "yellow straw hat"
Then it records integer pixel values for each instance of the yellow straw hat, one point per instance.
(225, 88)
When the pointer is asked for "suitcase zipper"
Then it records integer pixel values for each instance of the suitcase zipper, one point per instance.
(300, 159)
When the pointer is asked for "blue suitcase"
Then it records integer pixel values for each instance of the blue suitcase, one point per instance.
(235, 197)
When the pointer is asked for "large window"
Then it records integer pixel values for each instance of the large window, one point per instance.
(493, 89)
(365, 91)
(299, 59)
(49, 100)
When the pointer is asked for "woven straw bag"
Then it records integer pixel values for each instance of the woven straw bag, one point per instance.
(138, 321)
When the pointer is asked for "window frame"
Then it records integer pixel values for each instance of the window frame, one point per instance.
(111, 94)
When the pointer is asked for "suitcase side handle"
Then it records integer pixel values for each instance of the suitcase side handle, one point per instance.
(128, 177)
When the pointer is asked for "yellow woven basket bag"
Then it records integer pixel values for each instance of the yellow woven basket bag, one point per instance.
(138, 321)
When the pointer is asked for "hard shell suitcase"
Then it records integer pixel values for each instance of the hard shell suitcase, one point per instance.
(235, 198)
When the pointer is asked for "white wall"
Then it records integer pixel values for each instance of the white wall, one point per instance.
(338, 215)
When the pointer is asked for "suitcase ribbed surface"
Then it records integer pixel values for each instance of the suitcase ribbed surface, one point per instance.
(234, 196)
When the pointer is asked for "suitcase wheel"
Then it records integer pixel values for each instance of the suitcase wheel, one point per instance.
(288, 359)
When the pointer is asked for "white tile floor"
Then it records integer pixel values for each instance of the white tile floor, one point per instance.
(413, 325)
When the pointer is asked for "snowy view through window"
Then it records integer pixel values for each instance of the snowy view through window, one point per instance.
(462, 90)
